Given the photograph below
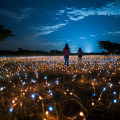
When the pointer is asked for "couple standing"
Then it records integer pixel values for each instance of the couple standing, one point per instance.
(66, 51)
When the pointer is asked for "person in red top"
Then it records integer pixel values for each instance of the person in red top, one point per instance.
(66, 51)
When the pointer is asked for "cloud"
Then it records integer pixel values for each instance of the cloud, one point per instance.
(23, 14)
(45, 30)
(93, 35)
(112, 33)
(111, 8)
(82, 38)
(60, 12)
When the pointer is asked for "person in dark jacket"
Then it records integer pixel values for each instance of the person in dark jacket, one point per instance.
(79, 53)
(66, 51)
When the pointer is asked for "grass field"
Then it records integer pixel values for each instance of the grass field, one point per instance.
(43, 88)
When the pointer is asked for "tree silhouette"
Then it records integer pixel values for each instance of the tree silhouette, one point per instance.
(110, 47)
(4, 33)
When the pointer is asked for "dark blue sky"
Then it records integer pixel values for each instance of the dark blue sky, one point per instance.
(50, 24)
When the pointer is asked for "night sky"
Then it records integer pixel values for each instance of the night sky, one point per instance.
(50, 24)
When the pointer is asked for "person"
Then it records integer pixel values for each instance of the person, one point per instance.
(79, 53)
(66, 51)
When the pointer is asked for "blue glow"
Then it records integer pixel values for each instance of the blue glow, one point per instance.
(111, 84)
(48, 84)
(0, 77)
(50, 108)
(45, 77)
(94, 94)
(94, 79)
(1, 88)
(33, 95)
(114, 93)
(56, 81)
(24, 83)
(25, 75)
(104, 88)
(115, 101)
(73, 75)
(32, 80)
(10, 110)
(51, 93)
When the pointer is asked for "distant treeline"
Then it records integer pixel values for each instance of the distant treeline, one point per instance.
(22, 52)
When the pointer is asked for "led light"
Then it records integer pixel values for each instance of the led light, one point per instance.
(32, 81)
(111, 85)
(24, 83)
(1, 88)
(40, 97)
(33, 95)
(114, 93)
(50, 108)
(47, 112)
(94, 94)
(13, 101)
(51, 94)
(92, 103)
(57, 81)
(115, 101)
(48, 84)
(94, 79)
(45, 77)
(81, 114)
(104, 88)
(10, 110)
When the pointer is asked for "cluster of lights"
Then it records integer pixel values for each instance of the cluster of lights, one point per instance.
(87, 66)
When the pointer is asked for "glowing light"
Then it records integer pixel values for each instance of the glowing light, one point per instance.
(1, 88)
(92, 103)
(56, 81)
(45, 77)
(104, 88)
(40, 97)
(25, 75)
(33, 95)
(47, 112)
(48, 84)
(111, 84)
(50, 108)
(51, 93)
(94, 94)
(32, 80)
(115, 101)
(10, 110)
(24, 83)
(81, 114)
(13, 101)
(114, 93)
(0, 77)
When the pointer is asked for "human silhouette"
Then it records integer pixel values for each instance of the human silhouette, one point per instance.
(66, 51)
(79, 53)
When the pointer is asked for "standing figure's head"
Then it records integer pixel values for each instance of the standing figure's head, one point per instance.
(66, 46)
(79, 49)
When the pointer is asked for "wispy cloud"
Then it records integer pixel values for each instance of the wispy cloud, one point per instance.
(45, 30)
(23, 13)
(111, 8)
(82, 38)
(93, 35)
(112, 33)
